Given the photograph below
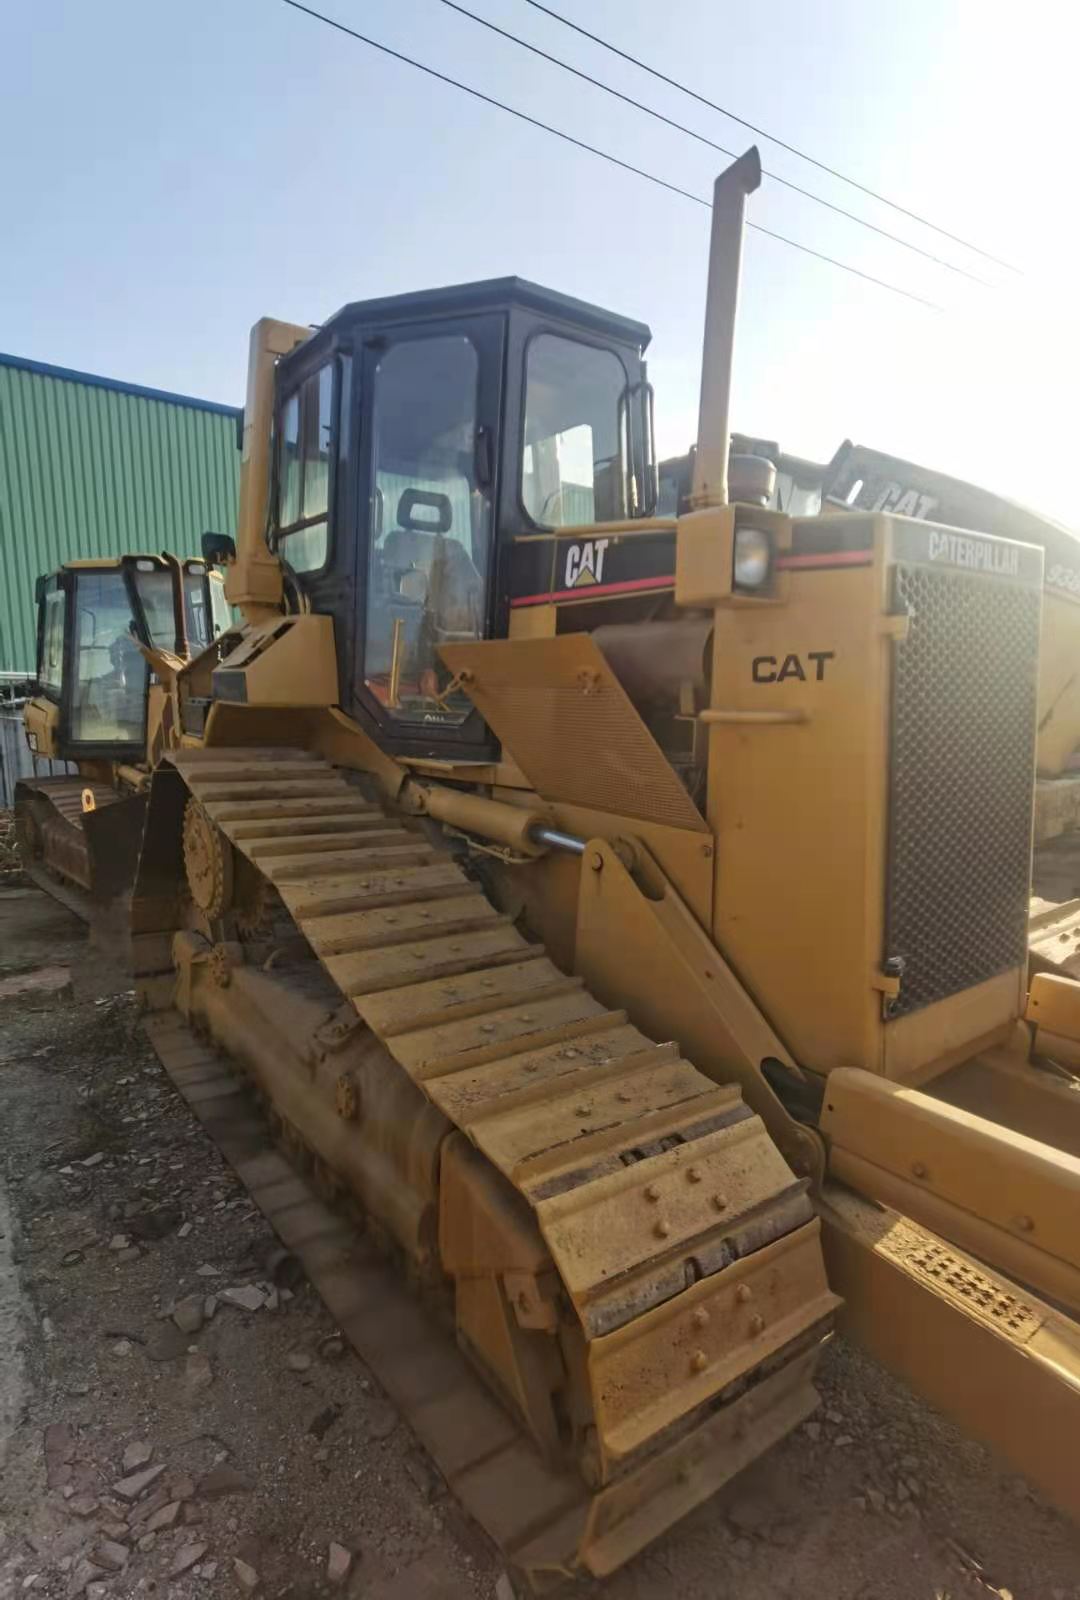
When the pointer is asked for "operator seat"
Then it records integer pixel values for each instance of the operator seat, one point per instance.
(446, 582)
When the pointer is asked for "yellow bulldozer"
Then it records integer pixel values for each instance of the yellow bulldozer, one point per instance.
(625, 915)
(109, 632)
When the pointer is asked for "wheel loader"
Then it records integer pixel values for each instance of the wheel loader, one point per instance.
(109, 634)
(621, 917)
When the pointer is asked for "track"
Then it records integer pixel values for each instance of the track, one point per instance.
(81, 858)
(674, 1269)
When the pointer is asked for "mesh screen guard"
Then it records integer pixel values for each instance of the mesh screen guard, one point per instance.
(961, 785)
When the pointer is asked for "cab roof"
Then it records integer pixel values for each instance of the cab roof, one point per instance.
(492, 294)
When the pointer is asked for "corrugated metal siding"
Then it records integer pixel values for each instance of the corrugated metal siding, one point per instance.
(89, 469)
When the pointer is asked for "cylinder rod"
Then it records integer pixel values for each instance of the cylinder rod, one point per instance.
(556, 840)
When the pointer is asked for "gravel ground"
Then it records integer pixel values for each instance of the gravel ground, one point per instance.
(264, 1456)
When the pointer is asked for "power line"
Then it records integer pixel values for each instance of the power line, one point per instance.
(772, 137)
(569, 138)
(692, 133)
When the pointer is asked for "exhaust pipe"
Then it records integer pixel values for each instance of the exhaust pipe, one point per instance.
(710, 481)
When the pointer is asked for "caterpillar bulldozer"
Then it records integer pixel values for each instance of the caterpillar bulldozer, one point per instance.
(624, 915)
(109, 633)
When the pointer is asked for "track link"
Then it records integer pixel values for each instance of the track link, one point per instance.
(683, 1242)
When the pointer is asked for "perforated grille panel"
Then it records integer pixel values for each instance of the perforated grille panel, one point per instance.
(962, 781)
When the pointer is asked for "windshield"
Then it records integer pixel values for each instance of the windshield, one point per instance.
(573, 469)
(109, 703)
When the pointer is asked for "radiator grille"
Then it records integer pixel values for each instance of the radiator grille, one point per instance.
(961, 783)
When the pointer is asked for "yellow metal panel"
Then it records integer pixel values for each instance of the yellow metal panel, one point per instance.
(571, 727)
(662, 953)
(798, 812)
(1054, 1004)
(286, 661)
(998, 1361)
(1013, 1200)
(1059, 682)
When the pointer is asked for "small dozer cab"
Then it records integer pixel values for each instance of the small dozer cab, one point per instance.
(627, 914)
(103, 625)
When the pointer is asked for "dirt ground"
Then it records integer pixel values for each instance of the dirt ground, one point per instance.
(252, 1452)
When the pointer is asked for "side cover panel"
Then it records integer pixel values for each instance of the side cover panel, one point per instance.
(560, 711)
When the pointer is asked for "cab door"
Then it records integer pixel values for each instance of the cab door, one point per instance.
(429, 412)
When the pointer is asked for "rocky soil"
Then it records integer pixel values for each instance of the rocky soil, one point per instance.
(179, 1417)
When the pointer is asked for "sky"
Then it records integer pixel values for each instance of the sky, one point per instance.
(169, 173)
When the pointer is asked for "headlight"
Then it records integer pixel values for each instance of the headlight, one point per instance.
(753, 555)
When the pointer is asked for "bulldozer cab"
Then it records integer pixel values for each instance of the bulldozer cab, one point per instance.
(426, 446)
(92, 677)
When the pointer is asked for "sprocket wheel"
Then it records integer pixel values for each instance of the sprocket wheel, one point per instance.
(208, 861)
(253, 901)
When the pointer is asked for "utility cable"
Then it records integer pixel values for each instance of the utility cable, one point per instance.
(822, 166)
(692, 133)
(569, 138)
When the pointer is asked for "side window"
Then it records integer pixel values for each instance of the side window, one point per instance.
(51, 665)
(304, 472)
(574, 468)
(155, 589)
(109, 702)
(430, 526)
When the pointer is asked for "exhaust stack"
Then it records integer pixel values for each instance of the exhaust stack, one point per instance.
(710, 483)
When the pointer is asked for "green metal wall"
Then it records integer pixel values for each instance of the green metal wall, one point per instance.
(89, 467)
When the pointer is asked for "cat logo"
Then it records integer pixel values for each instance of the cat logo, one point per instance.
(585, 563)
(901, 502)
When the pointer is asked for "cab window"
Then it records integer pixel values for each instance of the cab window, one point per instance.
(51, 663)
(109, 702)
(431, 526)
(574, 468)
(304, 472)
(219, 606)
(155, 587)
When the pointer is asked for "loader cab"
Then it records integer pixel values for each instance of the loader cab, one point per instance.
(422, 443)
(92, 678)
